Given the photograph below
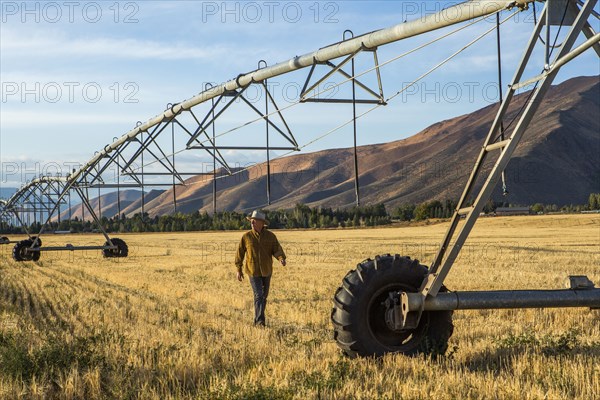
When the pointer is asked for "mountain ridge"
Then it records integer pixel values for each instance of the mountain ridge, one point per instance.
(557, 162)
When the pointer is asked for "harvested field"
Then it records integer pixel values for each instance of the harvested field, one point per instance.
(172, 322)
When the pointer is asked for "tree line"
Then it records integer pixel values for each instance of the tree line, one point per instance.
(593, 204)
(301, 216)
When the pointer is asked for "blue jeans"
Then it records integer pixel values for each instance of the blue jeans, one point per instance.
(260, 287)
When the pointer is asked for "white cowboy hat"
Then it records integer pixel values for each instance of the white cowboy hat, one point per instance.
(258, 215)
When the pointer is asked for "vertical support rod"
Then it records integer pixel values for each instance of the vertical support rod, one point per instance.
(82, 207)
(547, 44)
(173, 162)
(40, 201)
(143, 188)
(500, 88)
(118, 193)
(268, 156)
(58, 204)
(214, 152)
(356, 183)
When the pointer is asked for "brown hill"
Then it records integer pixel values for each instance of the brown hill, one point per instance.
(557, 162)
(108, 206)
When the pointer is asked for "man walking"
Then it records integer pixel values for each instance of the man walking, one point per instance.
(258, 246)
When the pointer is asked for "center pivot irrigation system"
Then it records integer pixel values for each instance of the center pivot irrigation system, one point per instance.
(391, 303)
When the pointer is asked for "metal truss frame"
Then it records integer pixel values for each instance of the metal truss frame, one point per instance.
(140, 143)
(409, 306)
(338, 68)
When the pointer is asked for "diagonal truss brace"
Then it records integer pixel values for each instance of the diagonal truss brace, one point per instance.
(447, 253)
(285, 132)
(378, 96)
(145, 146)
(465, 11)
(588, 31)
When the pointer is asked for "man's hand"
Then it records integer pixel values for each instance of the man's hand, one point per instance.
(240, 276)
(283, 262)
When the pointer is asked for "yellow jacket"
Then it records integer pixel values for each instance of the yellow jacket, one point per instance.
(258, 250)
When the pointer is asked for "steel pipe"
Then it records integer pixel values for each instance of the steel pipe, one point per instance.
(592, 41)
(70, 248)
(452, 15)
(511, 299)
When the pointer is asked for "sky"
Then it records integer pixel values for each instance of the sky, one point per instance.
(75, 75)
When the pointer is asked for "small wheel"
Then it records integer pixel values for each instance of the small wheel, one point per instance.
(4, 240)
(122, 249)
(21, 254)
(35, 255)
(18, 252)
(358, 315)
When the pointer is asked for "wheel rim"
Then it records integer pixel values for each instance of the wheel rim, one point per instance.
(111, 252)
(22, 253)
(390, 339)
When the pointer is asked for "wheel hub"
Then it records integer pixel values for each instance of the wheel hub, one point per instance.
(391, 306)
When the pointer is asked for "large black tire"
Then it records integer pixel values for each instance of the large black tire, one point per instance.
(358, 315)
(19, 253)
(122, 249)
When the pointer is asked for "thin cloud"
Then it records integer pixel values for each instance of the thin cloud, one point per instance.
(23, 119)
(56, 45)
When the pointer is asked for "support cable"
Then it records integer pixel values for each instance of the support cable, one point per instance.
(355, 151)
(344, 82)
(265, 85)
(334, 86)
(173, 163)
(554, 45)
(502, 128)
(214, 142)
(437, 66)
(562, 21)
(531, 93)
(500, 97)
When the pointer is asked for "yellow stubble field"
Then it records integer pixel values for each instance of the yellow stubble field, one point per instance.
(172, 322)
